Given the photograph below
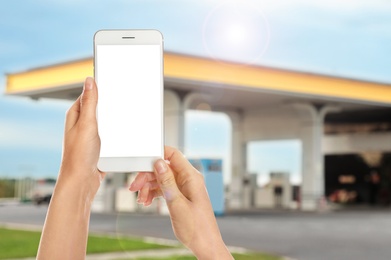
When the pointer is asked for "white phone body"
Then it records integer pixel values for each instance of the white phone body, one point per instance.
(128, 68)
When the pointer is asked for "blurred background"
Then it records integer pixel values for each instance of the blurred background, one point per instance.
(285, 106)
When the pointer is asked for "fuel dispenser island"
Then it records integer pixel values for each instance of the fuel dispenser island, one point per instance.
(212, 171)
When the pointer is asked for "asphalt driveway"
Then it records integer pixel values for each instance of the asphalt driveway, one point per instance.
(360, 234)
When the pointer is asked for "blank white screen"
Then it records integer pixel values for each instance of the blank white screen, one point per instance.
(129, 105)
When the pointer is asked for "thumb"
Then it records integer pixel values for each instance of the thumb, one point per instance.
(89, 100)
(166, 181)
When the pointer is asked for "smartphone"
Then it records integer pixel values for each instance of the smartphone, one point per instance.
(128, 68)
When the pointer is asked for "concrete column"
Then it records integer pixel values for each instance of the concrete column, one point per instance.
(313, 185)
(238, 160)
(194, 101)
(174, 116)
(312, 188)
(197, 100)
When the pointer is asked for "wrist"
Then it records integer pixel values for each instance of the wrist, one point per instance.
(73, 192)
(77, 182)
(212, 248)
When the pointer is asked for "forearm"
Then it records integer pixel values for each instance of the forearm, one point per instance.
(215, 250)
(65, 232)
(207, 242)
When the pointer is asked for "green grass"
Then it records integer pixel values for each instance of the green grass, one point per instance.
(102, 244)
(19, 243)
(256, 256)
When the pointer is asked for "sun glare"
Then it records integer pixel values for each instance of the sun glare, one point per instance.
(236, 31)
(236, 35)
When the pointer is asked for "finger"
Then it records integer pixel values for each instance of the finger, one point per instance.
(177, 160)
(153, 194)
(149, 187)
(72, 115)
(150, 198)
(189, 180)
(148, 193)
(153, 185)
(143, 194)
(89, 100)
(166, 180)
(141, 179)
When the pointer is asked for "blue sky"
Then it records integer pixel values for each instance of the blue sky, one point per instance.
(344, 38)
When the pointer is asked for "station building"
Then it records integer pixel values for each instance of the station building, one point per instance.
(344, 124)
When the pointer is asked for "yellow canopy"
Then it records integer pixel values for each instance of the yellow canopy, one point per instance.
(185, 68)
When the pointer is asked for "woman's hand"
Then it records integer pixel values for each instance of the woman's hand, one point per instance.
(81, 142)
(191, 212)
(64, 235)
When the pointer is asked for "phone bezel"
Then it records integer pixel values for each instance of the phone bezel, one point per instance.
(131, 37)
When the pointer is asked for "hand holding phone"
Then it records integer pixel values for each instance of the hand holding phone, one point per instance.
(129, 75)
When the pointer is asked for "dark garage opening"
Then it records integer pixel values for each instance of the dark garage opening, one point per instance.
(351, 180)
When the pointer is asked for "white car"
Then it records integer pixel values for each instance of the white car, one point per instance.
(42, 193)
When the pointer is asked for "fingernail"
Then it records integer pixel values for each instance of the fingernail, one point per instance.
(160, 167)
(88, 83)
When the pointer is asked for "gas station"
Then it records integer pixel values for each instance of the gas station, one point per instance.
(329, 115)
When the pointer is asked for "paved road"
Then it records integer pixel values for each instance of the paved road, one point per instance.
(308, 236)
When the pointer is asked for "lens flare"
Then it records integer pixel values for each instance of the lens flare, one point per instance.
(236, 31)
